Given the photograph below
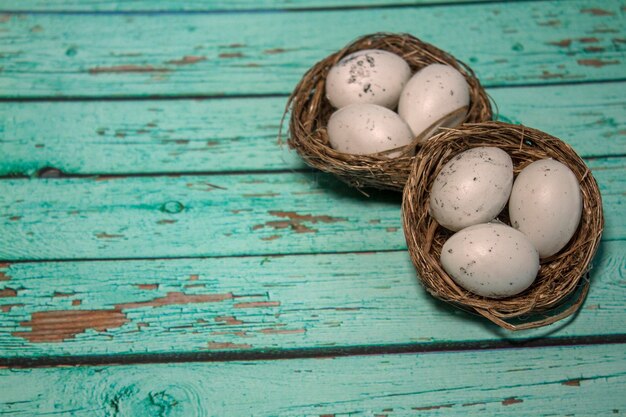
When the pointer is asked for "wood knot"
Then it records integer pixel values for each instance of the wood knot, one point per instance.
(172, 207)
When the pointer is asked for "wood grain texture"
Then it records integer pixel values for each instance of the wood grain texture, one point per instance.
(240, 134)
(256, 304)
(232, 54)
(576, 381)
(198, 5)
(217, 215)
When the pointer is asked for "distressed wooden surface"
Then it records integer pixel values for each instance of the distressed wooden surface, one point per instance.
(203, 6)
(240, 134)
(219, 215)
(256, 304)
(579, 381)
(118, 55)
(273, 263)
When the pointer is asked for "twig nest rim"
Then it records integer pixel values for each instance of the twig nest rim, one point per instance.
(310, 111)
(563, 280)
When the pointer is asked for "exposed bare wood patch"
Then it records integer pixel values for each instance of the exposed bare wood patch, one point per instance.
(15, 218)
(193, 277)
(565, 43)
(147, 286)
(108, 236)
(432, 407)
(257, 304)
(126, 69)
(228, 345)
(175, 298)
(228, 320)
(187, 60)
(271, 330)
(547, 75)
(5, 308)
(275, 51)
(594, 49)
(598, 63)
(573, 382)
(550, 23)
(589, 40)
(8, 292)
(272, 237)
(296, 221)
(239, 333)
(76, 302)
(57, 326)
(231, 55)
(597, 12)
(63, 294)
(511, 401)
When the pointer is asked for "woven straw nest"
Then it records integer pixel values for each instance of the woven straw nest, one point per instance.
(563, 280)
(310, 111)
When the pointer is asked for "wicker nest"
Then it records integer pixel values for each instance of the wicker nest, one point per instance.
(310, 111)
(563, 280)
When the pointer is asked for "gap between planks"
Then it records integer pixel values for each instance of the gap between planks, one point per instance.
(255, 10)
(234, 96)
(304, 353)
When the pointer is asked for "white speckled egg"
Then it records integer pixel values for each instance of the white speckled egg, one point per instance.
(471, 188)
(490, 259)
(436, 96)
(368, 76)
(546, 205)
(362, 129)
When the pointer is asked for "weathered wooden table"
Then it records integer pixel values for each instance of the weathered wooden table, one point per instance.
(162, 255)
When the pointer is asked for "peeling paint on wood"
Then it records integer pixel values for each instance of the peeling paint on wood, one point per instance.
(187, 60)
(98, 60)
(203, 6)
(435, 383)
(332, 221)
(176, 298)
(126, 69)
(257, 304)
(8, 292)
(57, 326)
(598, 63)
(512, 400)
(227, 346)
(597, 12)
(331, 298)
(80, 151)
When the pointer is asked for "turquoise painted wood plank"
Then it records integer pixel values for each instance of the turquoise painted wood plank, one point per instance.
(576, 381)
(222, 215)
(239, 134)
(256, 304)
(213, 5)
(248, 53)
(144, 136)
